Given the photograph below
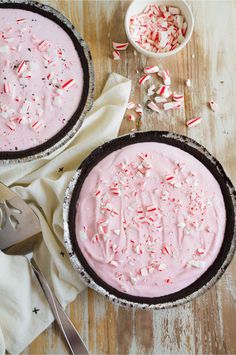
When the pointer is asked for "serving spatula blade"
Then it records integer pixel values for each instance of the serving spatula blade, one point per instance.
(18, 222)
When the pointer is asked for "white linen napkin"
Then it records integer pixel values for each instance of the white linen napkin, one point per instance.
(24, 311)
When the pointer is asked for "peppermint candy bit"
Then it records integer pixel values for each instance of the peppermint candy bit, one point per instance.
(7, 88)
(162, 267)
(213, 105)
(170, 178)
(131, 117)
(160, 99)
(188, 83)
(173, 105)
(37, 125)
(21, 68)
(151, 70)
(143, 79)
(153, 107)
(11, 125)
(130, 105)
(165, 75)
(197, 263)
(116, 55)
(178, 97)
(120, 46)
(193, 122)
(68, 84)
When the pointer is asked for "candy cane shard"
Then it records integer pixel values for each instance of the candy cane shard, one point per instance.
(11, 125)
(120, 46)
(164, 90)
(151, 70)
(130, 105)
(197, 263)
(131, 117)
(151, 90)
(178, 97)
(143, 79)
(43, 46)
(116, 55)
(20, 21)
(139, 109)
(165, 75)
(68, 84)
(213, 105)
(160, 99)
(21, 68)
(174, 105)
(188, 82)
(7, 88)
(153, 106)
(37, 125)
(174, 10)
(170, 178)
(193, 122)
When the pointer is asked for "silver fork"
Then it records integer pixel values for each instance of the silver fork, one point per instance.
(19, 225)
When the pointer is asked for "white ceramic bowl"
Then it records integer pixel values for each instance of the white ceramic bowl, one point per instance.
(137, 6)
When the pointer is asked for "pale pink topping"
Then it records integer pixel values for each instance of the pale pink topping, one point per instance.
(150, 219)
(41, 79)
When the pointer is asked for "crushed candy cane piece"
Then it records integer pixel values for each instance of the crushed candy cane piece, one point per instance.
(164, 91)
(11, 125)
(160, 99)
(162, 267)
(139, 109)
(213, 105)
(151, 90)
(68, 84)
(143, 79)
(151, 70)
(173, 105)
(197, 263)
(131, 117)
(7, 88)
(170, 178)
(116, 55)
(37, 125)
(21, 68)
(153, 106)
(144, 272)
(120, 46)
(177, 97)
(165, 75)
(130, 105)
(193, 122)
(188, 82)
(174, 10)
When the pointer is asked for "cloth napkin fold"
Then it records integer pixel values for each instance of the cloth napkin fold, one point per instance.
(24, 311)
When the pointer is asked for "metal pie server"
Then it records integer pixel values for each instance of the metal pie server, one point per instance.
(19, 223)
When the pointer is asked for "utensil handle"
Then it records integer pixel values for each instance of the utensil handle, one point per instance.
(68, 329)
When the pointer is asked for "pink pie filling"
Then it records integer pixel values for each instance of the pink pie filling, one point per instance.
(41, 79)
(150, 219)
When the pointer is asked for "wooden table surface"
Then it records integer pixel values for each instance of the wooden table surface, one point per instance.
(208, 324)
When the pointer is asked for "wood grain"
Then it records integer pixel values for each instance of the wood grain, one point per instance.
(206, 325)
